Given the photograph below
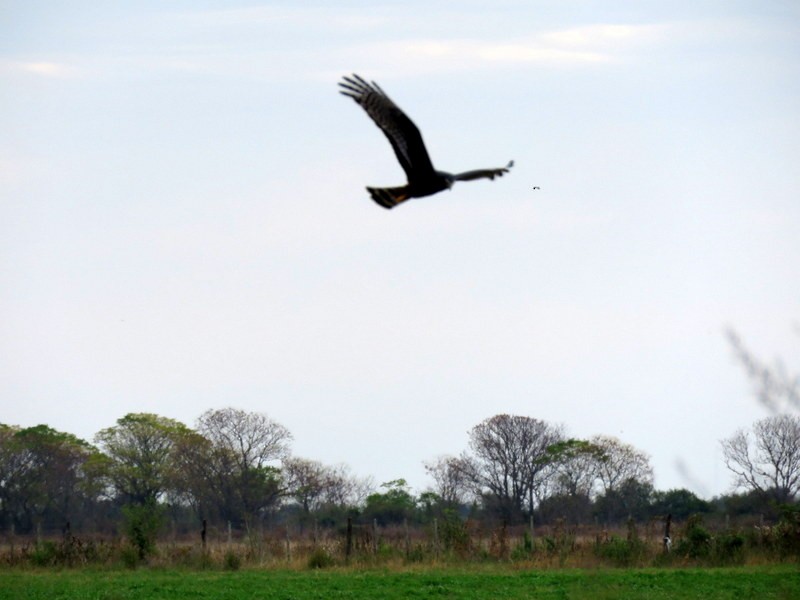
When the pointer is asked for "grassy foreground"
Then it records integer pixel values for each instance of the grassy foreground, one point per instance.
(781, 582)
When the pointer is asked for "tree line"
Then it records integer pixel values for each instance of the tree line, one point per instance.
(235, 469)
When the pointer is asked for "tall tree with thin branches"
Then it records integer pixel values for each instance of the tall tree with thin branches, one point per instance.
(767, 460)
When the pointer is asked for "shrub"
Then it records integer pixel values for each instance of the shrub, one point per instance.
(787, 531)
(44, 554)
(621, 552)
(696, 542)
(523, 550)
(320, 559)
(454, 533)
(232, 561)
(142, 524)
(129, 557)
(729, 548)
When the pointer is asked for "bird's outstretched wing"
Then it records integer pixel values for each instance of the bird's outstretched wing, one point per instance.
(404, 136)
(483, 173)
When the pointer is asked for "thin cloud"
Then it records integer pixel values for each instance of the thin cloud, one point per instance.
(453, 55)
(592, 45)
(260, 16)
(604, 36)
(40, 68)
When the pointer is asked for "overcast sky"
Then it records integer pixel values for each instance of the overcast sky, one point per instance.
(184, 225)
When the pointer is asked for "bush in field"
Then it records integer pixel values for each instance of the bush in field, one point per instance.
(129, 557)
(523, 550)
(142, 524)
(44, 554)
(623, 552)
(619, 552)
(729, 548)
(781, 540)
(320, 559)
(696, 542)
(232, 561)
(454, 533)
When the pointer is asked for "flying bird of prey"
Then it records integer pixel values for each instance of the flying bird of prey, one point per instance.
(406, 140)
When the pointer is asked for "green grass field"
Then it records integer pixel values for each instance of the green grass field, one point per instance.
(743, 583)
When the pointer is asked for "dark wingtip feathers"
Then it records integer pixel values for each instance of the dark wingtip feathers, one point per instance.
(355, 87)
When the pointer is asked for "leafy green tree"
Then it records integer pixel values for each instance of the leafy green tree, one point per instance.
(576, 463)
(680, 503)
(46, 476)
(575, 508)
(10, 464)
(141, 449)
(752, 504)
(142, 523)
(631, 498)
(392, 506)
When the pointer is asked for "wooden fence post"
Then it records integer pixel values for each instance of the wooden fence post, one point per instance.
(348, 548)
(436, 537)
(375, 537)
(288, 546)
(407, 538)
(532, 531)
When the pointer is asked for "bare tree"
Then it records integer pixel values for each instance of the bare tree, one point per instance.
(510, 459)
(314, 485)
(768, 461)
(253, 438)
(450, 481)
(240, 462)
(343, 488)
(304, 480)
(620, 462)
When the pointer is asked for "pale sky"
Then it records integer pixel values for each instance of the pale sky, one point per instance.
(184, 225)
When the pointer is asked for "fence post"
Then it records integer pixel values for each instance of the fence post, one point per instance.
(348, 548)
(288, 546)
(203, 535)
(532, 532)
(436, 537)
(230, 533)
(375, 537)
(407, 538)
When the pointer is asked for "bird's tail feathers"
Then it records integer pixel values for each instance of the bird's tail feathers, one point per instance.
(389, 197)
